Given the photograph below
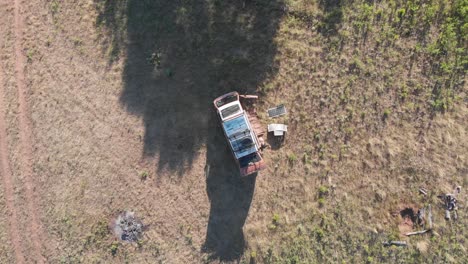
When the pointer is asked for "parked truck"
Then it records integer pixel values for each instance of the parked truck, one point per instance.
(243, 140)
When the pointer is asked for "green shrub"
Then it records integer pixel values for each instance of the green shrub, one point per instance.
(114, 247)
(292, 158)
(275, 219)
(323, 191)
(144, 175)
(54, 6)
(386, 114)
(321, 202)
(404, 92)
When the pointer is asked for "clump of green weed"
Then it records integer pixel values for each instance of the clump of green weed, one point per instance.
(144, 175)
(29, 55)
(404, 92)
(321, 150)
(114, 247)
(54, 6)
(321, 202)
(323, 191)
(292, 158)
(317, 136)
(274, 221)
(306, 158)
(253, 255)
(386, 114)
(319, 233)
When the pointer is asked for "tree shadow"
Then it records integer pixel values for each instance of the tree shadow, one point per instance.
(333, 16)
(178, 56)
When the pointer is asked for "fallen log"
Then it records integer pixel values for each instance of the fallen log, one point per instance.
(395, 243)
(246, 96)
(417, 232)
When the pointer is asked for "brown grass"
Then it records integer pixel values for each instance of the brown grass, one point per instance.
(361, 126)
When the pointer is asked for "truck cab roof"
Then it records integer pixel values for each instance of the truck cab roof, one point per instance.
(230, 110)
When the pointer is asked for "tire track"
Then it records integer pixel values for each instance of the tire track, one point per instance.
(5, 171)
(25, 135)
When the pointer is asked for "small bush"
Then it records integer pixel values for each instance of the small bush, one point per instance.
(275, 219)
(323, 191)
(114, 247)
(144, 175)
(321, 202)
(400, 14)
(386, 114)
(363, 115)
(54, 7)
(292, 158)
(319, 233)
(29, 55)
(317, 136)
(404, 92)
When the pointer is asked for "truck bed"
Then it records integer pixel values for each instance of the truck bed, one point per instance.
(239, 133)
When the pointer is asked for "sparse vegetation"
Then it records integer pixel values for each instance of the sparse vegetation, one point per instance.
(323, 191)
(292, 158)
(114, 247)
(54, 6)
(376, 99)
(144, 175)
(29, 55)
(386, 114)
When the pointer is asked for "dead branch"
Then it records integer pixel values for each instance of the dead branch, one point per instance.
(417, 232)
(246, 96)
(423, 191)
(395, 243)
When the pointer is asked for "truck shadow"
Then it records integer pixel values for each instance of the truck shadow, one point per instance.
(230, 197)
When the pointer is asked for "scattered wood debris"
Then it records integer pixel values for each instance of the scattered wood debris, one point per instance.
(450, 202)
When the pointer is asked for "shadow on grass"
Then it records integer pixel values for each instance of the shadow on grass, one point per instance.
(333, 16)
(230, 198)
(178, 56)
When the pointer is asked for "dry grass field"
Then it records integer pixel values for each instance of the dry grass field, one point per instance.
(106, 106)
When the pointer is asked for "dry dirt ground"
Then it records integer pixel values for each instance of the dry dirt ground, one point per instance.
(105, 106)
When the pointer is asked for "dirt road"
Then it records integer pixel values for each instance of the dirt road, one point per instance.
(5, 171)
(19, 216)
